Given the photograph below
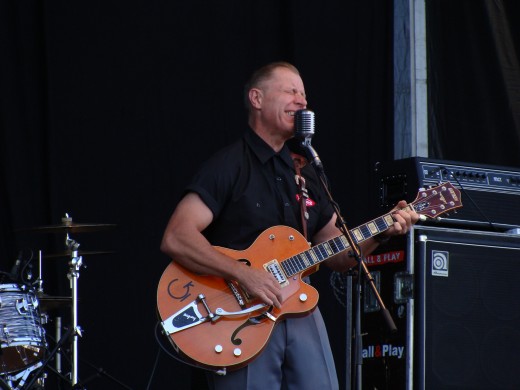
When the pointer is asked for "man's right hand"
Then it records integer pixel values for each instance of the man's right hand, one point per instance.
(261, 284)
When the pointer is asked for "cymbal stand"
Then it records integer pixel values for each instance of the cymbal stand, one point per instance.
(44, 364)
(40, 272)
(76, 262)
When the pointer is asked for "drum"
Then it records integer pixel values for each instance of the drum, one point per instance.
(22, 336)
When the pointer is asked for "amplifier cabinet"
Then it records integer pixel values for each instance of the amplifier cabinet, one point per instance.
(467, 309)
(490, 194)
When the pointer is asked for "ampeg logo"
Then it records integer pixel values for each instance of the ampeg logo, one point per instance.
(440, 263)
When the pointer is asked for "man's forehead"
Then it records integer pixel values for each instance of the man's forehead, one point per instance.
(287, 78)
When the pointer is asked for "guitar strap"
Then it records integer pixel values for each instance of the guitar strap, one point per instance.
(299, 163)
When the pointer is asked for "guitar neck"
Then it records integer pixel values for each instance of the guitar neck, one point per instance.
(321, 252)
(428, 203)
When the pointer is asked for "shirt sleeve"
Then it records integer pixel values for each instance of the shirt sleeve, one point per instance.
(214, 181)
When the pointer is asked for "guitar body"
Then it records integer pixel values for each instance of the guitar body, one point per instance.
(233, 341)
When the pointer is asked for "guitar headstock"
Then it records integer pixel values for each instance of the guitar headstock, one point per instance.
(436, 201)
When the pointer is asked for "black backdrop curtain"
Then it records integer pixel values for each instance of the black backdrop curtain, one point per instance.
(107, 108)
(474, 81)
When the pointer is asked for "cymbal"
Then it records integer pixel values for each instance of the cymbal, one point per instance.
(48, 302)
(80, 253)
(70, 227)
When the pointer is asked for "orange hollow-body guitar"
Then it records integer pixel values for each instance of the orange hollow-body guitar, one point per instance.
(215, 324)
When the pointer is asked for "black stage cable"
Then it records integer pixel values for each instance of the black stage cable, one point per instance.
(155, 364)
(4, 385)
(176, 357)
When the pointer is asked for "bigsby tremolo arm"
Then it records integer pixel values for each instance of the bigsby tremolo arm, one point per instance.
(190, 315)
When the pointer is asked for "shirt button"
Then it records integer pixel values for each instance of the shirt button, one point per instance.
(278, 178)
(286, 205)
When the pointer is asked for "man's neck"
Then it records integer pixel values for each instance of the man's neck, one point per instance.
(274, 140)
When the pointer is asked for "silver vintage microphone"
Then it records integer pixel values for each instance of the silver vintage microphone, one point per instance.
(303, 132)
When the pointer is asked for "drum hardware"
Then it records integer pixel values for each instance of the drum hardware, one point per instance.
(21, 272)
(62, 341)
(18, 381)
(75, 263)
(58, 336)
(49, 303)
(45, 363)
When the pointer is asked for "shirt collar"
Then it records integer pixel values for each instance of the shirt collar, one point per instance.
(263, 151)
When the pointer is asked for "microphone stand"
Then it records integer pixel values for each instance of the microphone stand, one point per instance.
(363, 269)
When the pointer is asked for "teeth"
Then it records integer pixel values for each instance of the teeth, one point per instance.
(291, 113)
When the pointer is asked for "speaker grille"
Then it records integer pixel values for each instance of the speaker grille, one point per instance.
(469, 318)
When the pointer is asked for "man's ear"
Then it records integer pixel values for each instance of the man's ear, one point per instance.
(256, 97)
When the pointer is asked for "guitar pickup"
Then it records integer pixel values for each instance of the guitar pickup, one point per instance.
(274, 268)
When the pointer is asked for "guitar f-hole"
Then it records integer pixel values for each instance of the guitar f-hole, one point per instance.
(251, 321)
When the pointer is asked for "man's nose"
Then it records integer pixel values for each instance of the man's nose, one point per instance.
(301, 100)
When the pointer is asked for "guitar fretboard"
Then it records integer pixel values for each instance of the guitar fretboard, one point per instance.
(321, 252)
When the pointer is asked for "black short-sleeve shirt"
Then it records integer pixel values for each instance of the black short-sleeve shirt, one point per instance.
(249, 187)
